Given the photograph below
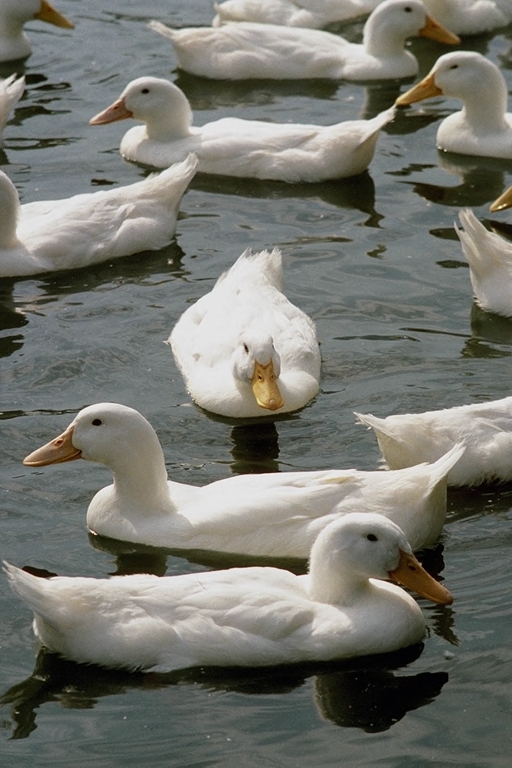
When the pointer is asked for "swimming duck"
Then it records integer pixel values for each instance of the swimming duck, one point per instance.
(14, 43)
(483, 127)
(292, 13)
(471, 17)
(11, 90)
(86, 229)
(249, 617)
(490, 264)
(242, 50)
(485, 429)
(232, 146)
(244, 349)
(276, 514)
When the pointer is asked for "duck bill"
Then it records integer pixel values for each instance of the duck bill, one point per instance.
(435, 31)
(425, 89)
(52, 16)
(116, 111)
(55, 452)
(264, 387)
(503, 201)
(411, 574)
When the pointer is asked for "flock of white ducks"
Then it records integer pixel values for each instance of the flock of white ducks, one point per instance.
(357, 528)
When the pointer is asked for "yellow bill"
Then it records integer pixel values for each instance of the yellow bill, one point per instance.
(435, 31)
(504, 201)
(265, 387)
(411, 573)
(57, 451)
(425, 89)
(116, 111)
(52, 16)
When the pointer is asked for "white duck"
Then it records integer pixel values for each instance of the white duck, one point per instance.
(471, 17)
(483, 127)
(244, 349)
(232, 146)
(292, 13)
(86, 229)
(268, 515)
(11, 90)
(490, 264)
(485, 429)
(14, 43)
(257, 616)
(238, 51)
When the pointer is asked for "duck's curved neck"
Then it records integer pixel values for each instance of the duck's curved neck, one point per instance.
(9, 212)
(171, 124)
(328, 583)
(381, 41)
(140, 480)
(485, 111)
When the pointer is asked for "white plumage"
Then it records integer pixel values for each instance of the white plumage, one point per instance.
(11, 90)
(14, 42)
(238, 51)
(293, 152)
(268, 515)
(52, 235)
(242, 617)
(244, 349)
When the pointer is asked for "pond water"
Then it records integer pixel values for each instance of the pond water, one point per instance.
(375, 261)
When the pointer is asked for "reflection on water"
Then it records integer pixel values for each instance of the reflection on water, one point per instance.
(490, 327)
(255, 448)
(365, 693)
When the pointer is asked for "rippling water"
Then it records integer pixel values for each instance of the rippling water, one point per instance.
(375, 262)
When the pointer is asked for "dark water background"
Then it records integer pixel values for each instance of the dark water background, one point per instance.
(375, 262)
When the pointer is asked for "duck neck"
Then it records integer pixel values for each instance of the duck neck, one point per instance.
(9, 212)
(381, 40)
(140, 481)
(485, 111)
(171, 124)
(328, 583)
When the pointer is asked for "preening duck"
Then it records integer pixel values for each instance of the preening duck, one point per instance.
(232, 146)
(485, 429)
(266, 515)
(239, 51)
(11, 90)
(490, 264)
(292, 13)
(343, 607)
(483, 127)
(244, 349)
(86, 229)
(14, 43)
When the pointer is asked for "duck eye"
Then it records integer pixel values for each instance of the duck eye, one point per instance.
(97, 422)
(372, 537)
(145, 90)
(408, 9)
(246, 349)
(454, 66)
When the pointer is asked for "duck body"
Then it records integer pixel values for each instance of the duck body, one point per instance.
(244, 349)
(245, 50)
(292, 152)
(86, 229)
(490, 264)
(264, 515)
(11, 90)
(471, 17)
(483, 127)
(485, 430)
(292, 13)
(14, 42)
(242, 616)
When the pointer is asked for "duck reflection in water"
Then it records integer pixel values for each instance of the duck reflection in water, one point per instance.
(364, 694)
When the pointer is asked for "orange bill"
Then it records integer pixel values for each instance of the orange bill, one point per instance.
(425, 89)
(52, 16)
(264, 387)
(411, 574)
(55, 452)
(504, 201)
(116, 111)
(435, 31)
